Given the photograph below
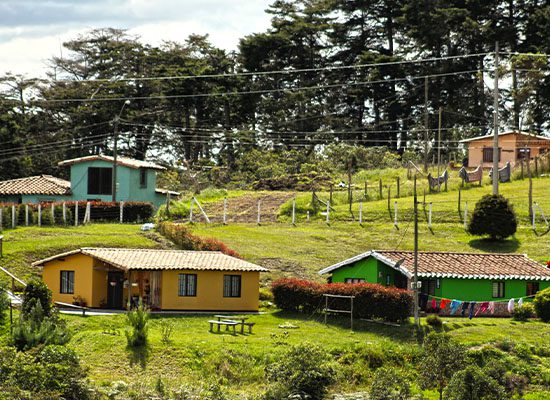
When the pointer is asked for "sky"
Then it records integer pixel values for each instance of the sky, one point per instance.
(32, 31)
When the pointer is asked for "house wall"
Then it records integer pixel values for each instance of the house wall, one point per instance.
(210, 292)
(482, 289)
(366, 269)
(83, 278)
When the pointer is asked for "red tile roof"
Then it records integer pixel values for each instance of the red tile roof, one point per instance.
(456, 265)
(124, 161)
(36, 185)
(151, 259)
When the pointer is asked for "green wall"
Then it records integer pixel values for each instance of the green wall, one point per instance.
(366, 269)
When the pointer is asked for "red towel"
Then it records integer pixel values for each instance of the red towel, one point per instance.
(434, 303)
(444, 303)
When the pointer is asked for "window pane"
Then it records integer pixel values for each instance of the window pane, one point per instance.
(226, 286)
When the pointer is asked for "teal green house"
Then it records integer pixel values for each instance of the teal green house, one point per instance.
(91, 180)
(461, 276)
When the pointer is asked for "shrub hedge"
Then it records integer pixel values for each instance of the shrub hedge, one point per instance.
(371, 300)
(184, 239)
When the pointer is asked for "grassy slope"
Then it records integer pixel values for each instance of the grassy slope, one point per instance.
(24, 245)
(239, 361)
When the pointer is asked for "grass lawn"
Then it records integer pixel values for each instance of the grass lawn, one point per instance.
(238, 362)
(24, 245)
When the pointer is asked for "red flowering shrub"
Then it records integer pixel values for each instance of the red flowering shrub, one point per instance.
(371, 300)
(184, 239)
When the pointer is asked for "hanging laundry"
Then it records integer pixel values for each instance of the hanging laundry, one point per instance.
(465, 306)
(434, 303)
(443, 303)
(472, 306)
(491, 307)
(511, 305)
(520, 302)
(483, 307)
(454, 306)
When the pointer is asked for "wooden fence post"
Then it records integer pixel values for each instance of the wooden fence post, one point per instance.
(39, 214)
(430, 215)
(53, 214)
(328, 213)
(395, 214)
(225, 210)
(330, 194)
(466, 216)
(76, 213)
(536, 166)
(26, 215)
(459, 203)
(64, 213)
(389, 199)
(366, 190)
(191, 210)
(360, 213)
(13, 216)
(380, 188)
(307, 216)
(398, 187)
(294, 211)
(259, 211)
(533, 216)
(121, 212)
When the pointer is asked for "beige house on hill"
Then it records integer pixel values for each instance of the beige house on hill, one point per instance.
(513, 146)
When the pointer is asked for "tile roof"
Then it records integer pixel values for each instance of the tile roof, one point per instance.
(124, 161)
(504, 134)
(139, 259)
(42, 184)
(456, 265)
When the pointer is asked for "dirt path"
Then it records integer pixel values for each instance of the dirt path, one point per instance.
(245, 208)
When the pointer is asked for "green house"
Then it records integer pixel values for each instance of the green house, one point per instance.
(461, 276)
(91, 180)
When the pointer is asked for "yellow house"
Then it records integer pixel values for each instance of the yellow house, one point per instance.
(164, 279)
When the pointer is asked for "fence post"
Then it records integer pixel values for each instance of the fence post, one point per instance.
(395, 214)
(389, 198)
(39, 214)
(466, 216)
(330, 193)
(121, 211)
(225, 211)
(366, 190)
(380, 188)
(87, 216)
(533, 218)
(328, 212)
(26, 215)
(430, 215)
(294, 211)
(76, 213)
(1, 217)
(360, 213)
(64, 214)
(53, 214)
(191, 211)
(259, 211)
(536, 166)
(307, 216)
(398, 187)
(521, 164)
(13, 216)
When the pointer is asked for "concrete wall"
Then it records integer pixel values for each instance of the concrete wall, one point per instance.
(482, 289)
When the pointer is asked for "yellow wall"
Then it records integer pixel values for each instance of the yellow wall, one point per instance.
(82, 266)
(210, 292)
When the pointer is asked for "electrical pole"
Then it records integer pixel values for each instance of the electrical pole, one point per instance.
(495, 123)
(415, 277)
(115, 150)
(426, 122)
(439, 148)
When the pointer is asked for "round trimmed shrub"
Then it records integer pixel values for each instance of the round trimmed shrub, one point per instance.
(524, 312)
(493, 216)
(434, 321)
(542, 304)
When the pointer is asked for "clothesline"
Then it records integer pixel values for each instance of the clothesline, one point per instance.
(480, 301)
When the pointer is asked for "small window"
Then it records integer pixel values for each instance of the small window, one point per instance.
(532, 288)
(67, 282)
(231, 286)
(524, 154)
(498, 289)
(428, 286)
(488, 154)
(142, 178)
(187, 285)
(100, 180)
(354, 280)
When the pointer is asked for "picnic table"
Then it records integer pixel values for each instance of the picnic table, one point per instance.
(239, 320)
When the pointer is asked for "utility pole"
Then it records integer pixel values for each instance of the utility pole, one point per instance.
(115, 150)
(426, 122)
(495, 123)
(439, 147)
(415, 277)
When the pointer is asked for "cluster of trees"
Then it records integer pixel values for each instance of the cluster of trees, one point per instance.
(319, 94)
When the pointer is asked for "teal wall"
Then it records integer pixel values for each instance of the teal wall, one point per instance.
(32, 199)
(374, 271)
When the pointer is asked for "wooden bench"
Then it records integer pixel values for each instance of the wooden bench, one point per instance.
(227, 324)
(250, 325)
(68, 305)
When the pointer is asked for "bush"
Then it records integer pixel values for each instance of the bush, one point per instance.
(184, 239)
(304, 370)
(35, 292)
(138, 326)
(524, 312)
(542, 304)
(434, 321)
(371, 300)
(390, 384)
(493, 216)
(474, 383)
